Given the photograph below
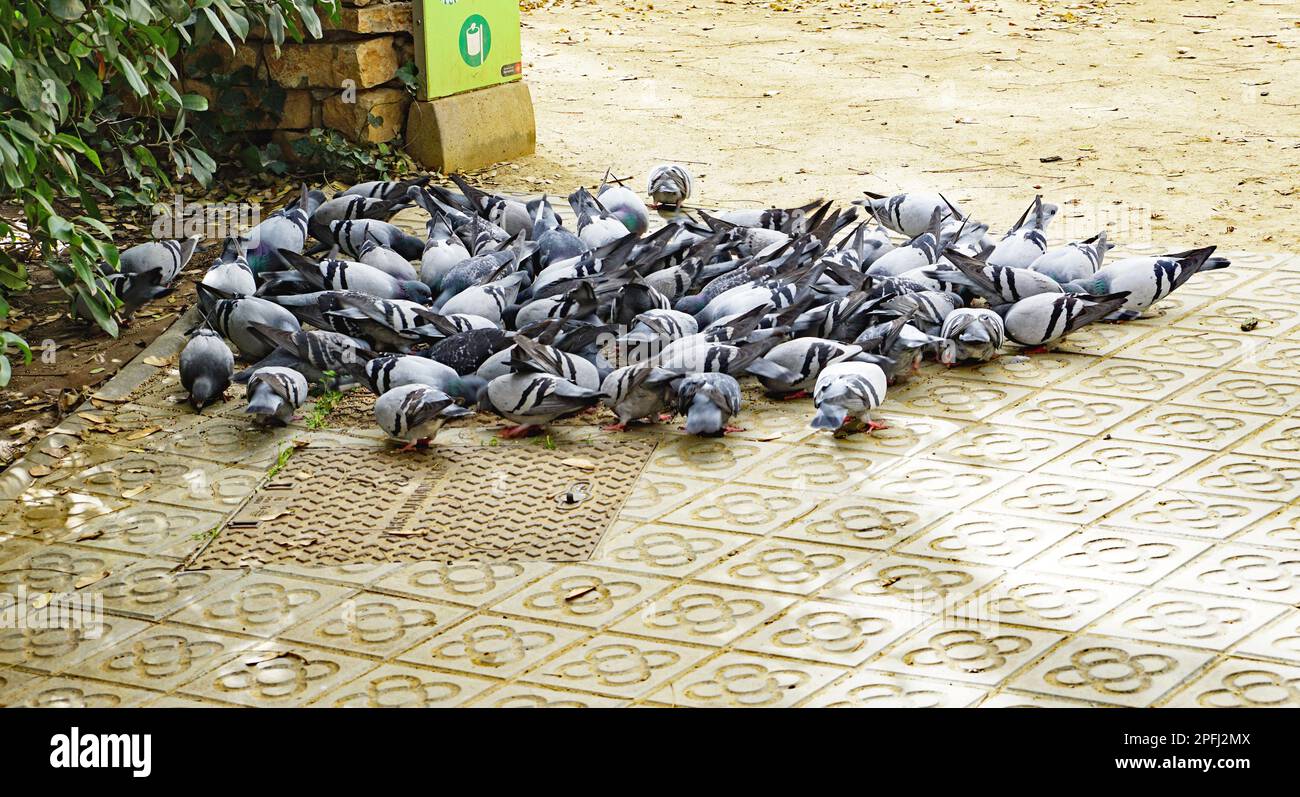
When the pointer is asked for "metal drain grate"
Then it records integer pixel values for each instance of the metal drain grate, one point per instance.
(335, 506)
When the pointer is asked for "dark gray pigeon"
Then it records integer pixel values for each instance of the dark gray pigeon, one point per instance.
(708, 401)
(206, 366)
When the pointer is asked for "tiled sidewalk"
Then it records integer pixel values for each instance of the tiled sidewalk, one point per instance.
(1111, 523)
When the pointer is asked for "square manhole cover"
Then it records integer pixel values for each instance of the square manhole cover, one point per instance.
(336, 506)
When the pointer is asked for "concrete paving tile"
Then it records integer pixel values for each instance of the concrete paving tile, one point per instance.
(1242, 683)
(986, 445)
(67, 692)
(14, 547)
(982, 538)
(1059, 411)
(1101, 339)
(616, 666)
(742, 680)
(582, 595)
(151, 589)
(1125, 461)
(1115, 671)
(1118, 554)
(876, 689)
(147, 529)
(1213, 622)
(1280, 438)
(12, 683)
(1221, 282)
(1244, 476)
(782, 565)
(54, 649)
(1061, 498)
(260, 605)
(161, 657)
(927, 586)
(1243, 571)
(464, 583)
(773, 421)
(961, 399)
(657, 494)
(1191, 347)
(745, 509)
(356, 575)
(670, 551)
(931, 482)
(1191, 427)
(1043, 600)
(1009, 698)
(1124, 378)
(703, 614)
(276, 675)
(969, 652)
(1233, 392)
(521, 695)
(1025, 371)
(492, 645)
(62, 569)
(1280, 639)
(861, 523)
(831, 633)
(1245, 315)
(710, 458)
(1279, 357)
(903, 434)
(1171, 310)
(1279, 530)
(803, 468)
(51, 516)
(371, 624)
(400, 686)
(1200, 515)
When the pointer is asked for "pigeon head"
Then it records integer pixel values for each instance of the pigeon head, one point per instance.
(468, 388)
(417, 291)
(691, 304)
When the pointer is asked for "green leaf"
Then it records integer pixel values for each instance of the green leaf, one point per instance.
(194, 102)
(128, 71)
(7, 56)
(67, 9)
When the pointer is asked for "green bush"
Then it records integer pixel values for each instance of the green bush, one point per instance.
(90, 113)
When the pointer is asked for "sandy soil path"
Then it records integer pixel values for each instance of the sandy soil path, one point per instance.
(1172, 121)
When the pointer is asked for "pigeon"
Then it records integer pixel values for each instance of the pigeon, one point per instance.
(231, 273)
(708, 401)
(489, 300)
(274, 393)
(167, 256)
(347, 275)
(285, 229)
(623, 204)
(845, 395)
(1045, 318)
(382, 374)
(806, 358)
(998, 284)
(234, 318)
(392, 323)
(925, 309)
(477, 270)
(910, 214)
(921, 251)
(350, 206)
(1146, 280)
(376, 255)
(206, 366)
(901, 347)
(977, 334)
(1025, 242)
(415, 413)
(388, 190)
(533, 400)
(509, 214)
(634, 392)
(533, 356)
(352, 234)
(579, 302)
(132, 291)
(466, 351)
(597, 227)
(669, 185)
(1073, 261)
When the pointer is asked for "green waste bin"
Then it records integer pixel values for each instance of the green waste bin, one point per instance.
(461, 45)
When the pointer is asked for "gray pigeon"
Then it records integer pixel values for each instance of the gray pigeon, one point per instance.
(597, 227)
(384, 189)
(234, 318)
(998, 284)
(488, 300)
(285, 229)
(509, 214)
(415, 413)
(382, 374)
(344, 207)
(977, 334)
(911, 213)
(634, 392)
(805, 358)
(378, 256)
(624, 204)
(168, 256)
(579, 302)
(1026, 241)
(845, 395)
(1047, 317)
(231, 273)
(1146, 280)
(351, 234)
(274, 393)
(132, 291)
(708, 401)
(206, 366)
(347, 275)
(532, 400)
(1073, 261)
(315, 353)
(669, 185)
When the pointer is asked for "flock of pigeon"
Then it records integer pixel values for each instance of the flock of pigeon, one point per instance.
(504, 307)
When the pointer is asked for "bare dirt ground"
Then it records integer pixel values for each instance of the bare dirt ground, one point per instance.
(1177, 120)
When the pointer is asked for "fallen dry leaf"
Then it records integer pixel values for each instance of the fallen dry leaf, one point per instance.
(157, 362)
(578, 593)
(134, 491)
(143, 433)
(93, 578)
(39, 471)
(579, 462)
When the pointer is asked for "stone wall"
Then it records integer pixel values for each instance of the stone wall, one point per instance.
(346, 81)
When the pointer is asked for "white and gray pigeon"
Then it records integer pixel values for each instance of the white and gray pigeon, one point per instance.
(285, 229)
(167, 256)
(921, 251)
(977, 334)
(1045, 318)
(415, 413)
(206, 366)
(488, 300)
(351, 235)
(635, 392)
(579, 302)
(597, 227)
(350, 206)
(234, 318)
(805, 358)
(384, 189)
(333, 274)
(709, 402)
(1075, 260)
(533, 400)
(911, 213)
(845, 395)
(376, 255)
(540, 358)
(997, 284)
(1027, 240)
(669, 185)
(624, 204)
(382, 374)
(231, 273)
(274, 393)
(1146, 280)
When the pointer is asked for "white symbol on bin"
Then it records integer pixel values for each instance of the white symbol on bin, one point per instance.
(474, 43)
